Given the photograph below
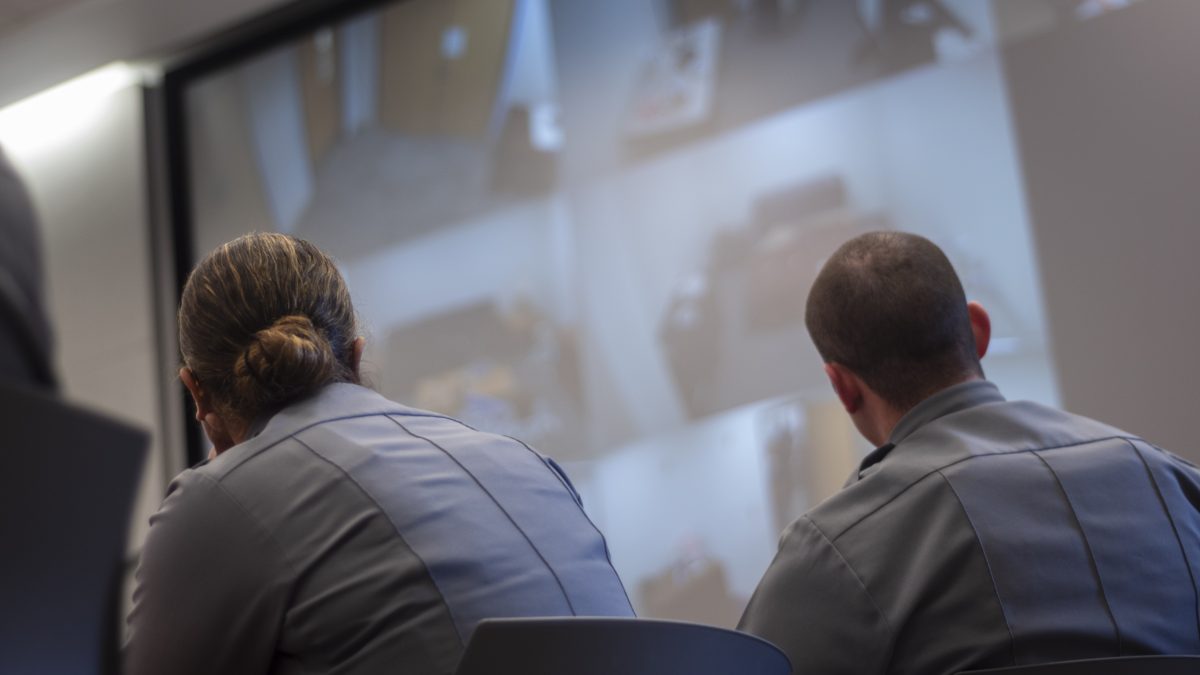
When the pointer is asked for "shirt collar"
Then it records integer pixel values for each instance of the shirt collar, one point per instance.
(256, 427)
(341, 399)
(949, 400)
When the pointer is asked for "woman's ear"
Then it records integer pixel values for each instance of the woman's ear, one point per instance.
(193, 386)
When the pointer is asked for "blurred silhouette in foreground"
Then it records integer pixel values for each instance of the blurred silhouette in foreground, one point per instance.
(67, 480)
(25, 335)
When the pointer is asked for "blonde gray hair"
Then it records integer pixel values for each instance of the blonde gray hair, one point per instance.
(266, 320)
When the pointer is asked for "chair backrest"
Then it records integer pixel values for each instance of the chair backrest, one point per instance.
(67, 482)
(1124, 665)
(612, 646)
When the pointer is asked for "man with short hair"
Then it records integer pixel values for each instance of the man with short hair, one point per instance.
(980, 532)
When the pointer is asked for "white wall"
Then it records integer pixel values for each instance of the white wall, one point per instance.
(1107, 117)
(91, 33)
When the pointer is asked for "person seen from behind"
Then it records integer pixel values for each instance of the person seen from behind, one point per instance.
(980, 532)
(333, 530)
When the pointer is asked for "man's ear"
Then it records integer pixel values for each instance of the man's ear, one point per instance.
(846, 386)
(193, 386)
(981, 327)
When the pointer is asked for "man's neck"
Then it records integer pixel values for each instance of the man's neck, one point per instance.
(887, 416)
(887, 421)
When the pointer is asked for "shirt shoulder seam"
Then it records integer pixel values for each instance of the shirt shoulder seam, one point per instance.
(968, 458)
(1012, 641)
(1170, 518)
(362, 490)
(291, 435)
(861, 584)
(252, 520)
(525, 535)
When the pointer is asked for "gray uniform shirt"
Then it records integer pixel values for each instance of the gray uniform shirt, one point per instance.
(354, 535)
(990, 533)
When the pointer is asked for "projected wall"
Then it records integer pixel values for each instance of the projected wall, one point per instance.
(592, 225)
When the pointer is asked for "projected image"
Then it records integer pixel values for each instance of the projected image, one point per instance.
(399, 122)
(722, 63)
(508, 370)
(593, 226)
(729, 325)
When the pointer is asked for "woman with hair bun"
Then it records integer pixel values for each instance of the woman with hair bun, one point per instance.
(333, 530)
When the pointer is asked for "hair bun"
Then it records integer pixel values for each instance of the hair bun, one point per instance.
(287, 361)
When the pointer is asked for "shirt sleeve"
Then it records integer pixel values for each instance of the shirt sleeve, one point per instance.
(811, 605)
(210, 593)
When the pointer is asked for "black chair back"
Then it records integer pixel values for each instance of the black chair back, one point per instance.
(611, 646)
(1124, 665)
(67, 482)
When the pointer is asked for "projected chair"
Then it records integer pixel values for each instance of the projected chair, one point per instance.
(606, 646)
(1126, 665)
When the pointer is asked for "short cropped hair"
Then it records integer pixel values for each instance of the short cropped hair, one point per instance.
(889, 306)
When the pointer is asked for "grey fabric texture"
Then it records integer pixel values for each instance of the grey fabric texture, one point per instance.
(355, 535)
(990, 533)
